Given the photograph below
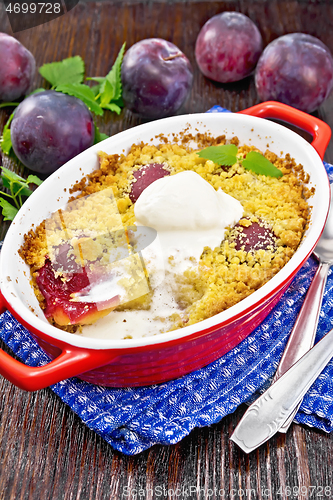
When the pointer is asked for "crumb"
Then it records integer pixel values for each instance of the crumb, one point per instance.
(225, 274)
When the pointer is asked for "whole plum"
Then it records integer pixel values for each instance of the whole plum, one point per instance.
(296, 69)
(228, 47)
(49, 128)
(17, 68)
(156, 78)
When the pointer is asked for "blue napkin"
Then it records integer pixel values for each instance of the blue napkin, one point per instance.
(133, 419)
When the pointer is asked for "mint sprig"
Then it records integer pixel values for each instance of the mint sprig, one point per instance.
(67, 76)
(109, 89)
(260, 165)
(5, 140)
(226, 154)
(221, 155)
(99, 136)
(82, 92)
(19, 189)
(70, 70)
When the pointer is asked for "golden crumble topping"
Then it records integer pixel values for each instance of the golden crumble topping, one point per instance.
(225, 274)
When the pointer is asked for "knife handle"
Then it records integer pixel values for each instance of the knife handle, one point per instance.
(269, 412)
(304, 331)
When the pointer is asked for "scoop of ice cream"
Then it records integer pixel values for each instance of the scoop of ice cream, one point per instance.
(186, 201)
(187, 213)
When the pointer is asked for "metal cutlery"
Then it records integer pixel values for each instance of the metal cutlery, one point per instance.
(300, 341)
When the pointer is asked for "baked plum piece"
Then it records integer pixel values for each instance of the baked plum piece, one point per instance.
(58, 286)
(145, 176)
(252, 236)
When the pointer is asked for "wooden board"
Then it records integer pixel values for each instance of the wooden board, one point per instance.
(45, 450)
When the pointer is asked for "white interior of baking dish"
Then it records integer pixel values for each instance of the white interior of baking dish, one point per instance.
(54, 193)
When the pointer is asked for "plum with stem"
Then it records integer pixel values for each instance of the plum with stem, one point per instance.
(156, 78)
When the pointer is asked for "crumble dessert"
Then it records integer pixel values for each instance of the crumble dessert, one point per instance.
(216, 248)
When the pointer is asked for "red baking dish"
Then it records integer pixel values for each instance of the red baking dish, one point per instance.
(158, 358)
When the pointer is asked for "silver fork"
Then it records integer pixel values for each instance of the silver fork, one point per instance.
(303, 334)
(248, 434)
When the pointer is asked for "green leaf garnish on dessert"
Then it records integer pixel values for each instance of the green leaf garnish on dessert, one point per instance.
(260, 165)
(226, 154)
(222, 155)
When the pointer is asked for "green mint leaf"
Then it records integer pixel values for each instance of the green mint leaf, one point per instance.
(95, 90)
(8, 210)
(221, 155)
(5, 139)
(7, 104)
(15, 183)
(33, 179)
(258, 164)
(6, 142)
(9, 176)
(5, 182)
(70, 70)
(99, 136)
(82, 92)
(107, 93)
(227, 155)
(114, 76)
(109, 88)
(99, 79)
(37, 91)
(112, 106)
(20, 189)
(119, 102)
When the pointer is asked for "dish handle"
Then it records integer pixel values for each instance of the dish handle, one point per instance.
(320, 131)
(71, 361)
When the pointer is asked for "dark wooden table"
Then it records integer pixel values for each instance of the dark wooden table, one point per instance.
(46, 452)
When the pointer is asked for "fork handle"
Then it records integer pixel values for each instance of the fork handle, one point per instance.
(304, 331)
(303, 334)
